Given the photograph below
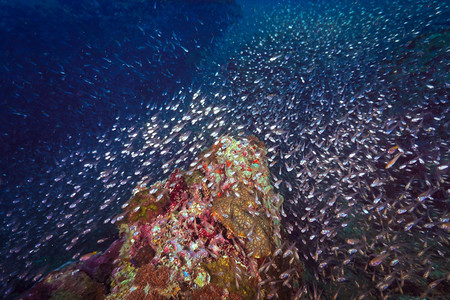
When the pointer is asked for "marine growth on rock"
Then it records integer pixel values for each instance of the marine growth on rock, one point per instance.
(212, 231)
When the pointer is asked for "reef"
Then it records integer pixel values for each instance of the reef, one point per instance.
(210, 232)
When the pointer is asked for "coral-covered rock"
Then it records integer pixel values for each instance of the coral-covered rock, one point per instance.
(177, 187)
(155, 277)
(160, 278)
(210, 232)
(209, 292)
(100, 266)
(144, 206)
(136, 294)
(143, 256)
(154, 295)
(238, 211)
(216, 223)
(41, 291)
(226, 273)
(144, 275)
(67, 283)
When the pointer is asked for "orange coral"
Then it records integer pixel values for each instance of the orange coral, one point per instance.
(209, 292)
(138, 294)
(235, 296)
(144, 274)
(161, 279)
(155, 296)
(155, 277)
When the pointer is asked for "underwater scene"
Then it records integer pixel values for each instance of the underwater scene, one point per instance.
(224, 149)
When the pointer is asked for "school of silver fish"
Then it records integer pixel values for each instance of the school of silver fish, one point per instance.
(353, 109)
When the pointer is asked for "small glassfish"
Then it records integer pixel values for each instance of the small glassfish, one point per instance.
(87, 256)
(378, 260)
(392, 161)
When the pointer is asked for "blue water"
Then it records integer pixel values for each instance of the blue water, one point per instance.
(70, 70)
(81, 80)
(74, 69)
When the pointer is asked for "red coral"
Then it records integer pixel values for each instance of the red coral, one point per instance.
(177, 187)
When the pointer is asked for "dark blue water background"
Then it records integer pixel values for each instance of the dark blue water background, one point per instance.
(69, 71)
